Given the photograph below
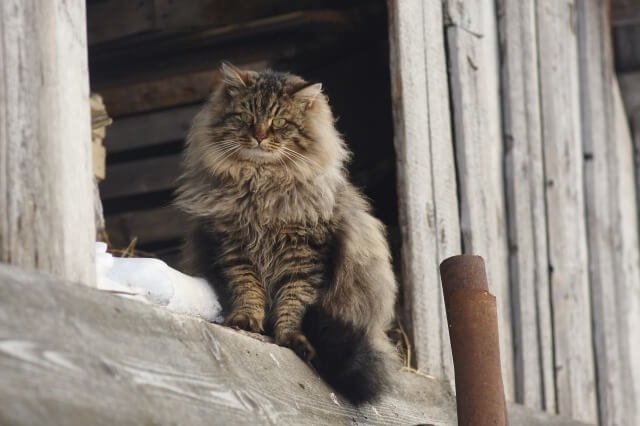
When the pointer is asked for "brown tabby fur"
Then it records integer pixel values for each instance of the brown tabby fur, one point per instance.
(276, 226)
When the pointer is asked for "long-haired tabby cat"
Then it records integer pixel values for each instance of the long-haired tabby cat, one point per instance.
(288, 243)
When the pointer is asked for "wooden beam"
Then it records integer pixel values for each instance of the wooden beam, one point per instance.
(144, 130)
(526, 215)
(474, 78)
(426, 174)
(147, 226)
(73, 355)
(159, 93)
(138, 177)
(113, 19)
(46, 187)
(562, 145)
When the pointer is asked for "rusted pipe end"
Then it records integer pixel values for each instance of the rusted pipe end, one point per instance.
(465, 271)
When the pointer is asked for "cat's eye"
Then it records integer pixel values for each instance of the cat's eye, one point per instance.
(246, 118)
(278, 123)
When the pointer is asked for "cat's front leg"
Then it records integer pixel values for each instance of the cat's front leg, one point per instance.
(246, 294)
(297, 290)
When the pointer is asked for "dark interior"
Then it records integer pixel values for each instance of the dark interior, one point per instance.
(154, 63)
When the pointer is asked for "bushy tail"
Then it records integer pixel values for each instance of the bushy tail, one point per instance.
(346, 358)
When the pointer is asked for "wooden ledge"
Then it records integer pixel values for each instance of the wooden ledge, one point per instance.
(72, 355)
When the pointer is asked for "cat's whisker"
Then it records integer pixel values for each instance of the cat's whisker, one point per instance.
(301, 156)
(226, 154)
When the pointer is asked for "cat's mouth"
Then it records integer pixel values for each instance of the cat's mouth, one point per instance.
(260, 153)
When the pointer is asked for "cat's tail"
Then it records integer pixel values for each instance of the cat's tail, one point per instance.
(347, 358)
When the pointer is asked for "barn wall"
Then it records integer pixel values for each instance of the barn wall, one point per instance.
(544, 167)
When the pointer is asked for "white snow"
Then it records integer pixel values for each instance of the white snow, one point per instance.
(153, 281)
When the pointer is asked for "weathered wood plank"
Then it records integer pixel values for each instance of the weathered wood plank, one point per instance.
(562, 143)
(102, 360)
(626, 251)
(473, 64)
(137, 177)
(144, 130)
(635, 135)
(148, 226)
(520, 415)
(46, 186)
(159, 93)
(526, 215)
(113, 19)
(426, 174)
(603, 204)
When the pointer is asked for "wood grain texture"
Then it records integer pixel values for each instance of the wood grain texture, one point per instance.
(426, 174)
(147, 226)
(526, 209)
(154, 128)
(137, 177)
(626, 250)
(474, 78)
(603, 169)
(159, 93)
(562, 142)
(102, 360)
(46, 185)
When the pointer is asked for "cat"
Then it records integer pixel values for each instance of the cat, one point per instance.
(288, 243)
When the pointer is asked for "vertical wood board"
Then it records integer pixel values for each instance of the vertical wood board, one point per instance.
(526, 209)
(627, 251)
(473, 65)
(562, 142)
(427, 202)
(46, 186)
(603, 207)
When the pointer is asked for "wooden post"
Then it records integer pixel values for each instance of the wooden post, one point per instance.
(526, 215)
(475, 92)
(427, 192)
(46, 197)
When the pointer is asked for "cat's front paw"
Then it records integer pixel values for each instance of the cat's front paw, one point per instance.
(244, 321)
(299, 344)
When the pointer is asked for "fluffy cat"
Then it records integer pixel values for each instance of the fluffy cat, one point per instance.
(286, 240)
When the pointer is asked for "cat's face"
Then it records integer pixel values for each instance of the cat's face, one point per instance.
(264, 117)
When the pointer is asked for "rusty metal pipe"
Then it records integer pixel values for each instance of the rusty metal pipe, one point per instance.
(473, 331)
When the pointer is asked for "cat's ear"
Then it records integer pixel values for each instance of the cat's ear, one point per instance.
(233, 77)
(308, 94)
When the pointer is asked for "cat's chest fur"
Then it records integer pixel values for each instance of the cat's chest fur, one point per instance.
(266, 201)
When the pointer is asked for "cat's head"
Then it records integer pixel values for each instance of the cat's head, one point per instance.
(268, 119)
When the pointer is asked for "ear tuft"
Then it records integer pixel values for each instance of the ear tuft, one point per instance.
(232, 76)
(309, 93)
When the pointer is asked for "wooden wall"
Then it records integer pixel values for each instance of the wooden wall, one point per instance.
(544, 169)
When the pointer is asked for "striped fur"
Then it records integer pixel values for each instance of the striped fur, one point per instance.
(288, 243)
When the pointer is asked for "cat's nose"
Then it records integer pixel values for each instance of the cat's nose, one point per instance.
(260, 133)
